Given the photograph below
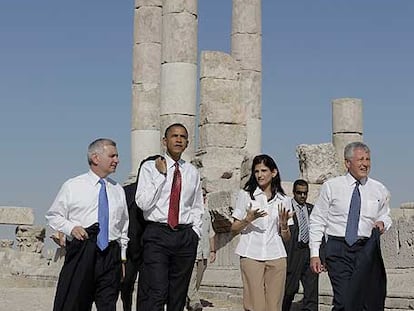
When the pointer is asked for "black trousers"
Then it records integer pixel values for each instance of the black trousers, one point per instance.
(168, 260)
(342, 261)
(298, 270)
(89, 275)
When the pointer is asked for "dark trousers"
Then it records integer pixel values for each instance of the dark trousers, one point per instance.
(89, 275)
(168, 260)
(127, 286)
(299, 270)
(342, 261)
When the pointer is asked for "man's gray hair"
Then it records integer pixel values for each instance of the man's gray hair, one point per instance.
(97, 147)
(349, 149)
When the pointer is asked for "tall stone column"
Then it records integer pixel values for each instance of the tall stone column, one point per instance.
(145, 132)
(179, 67)
(246, 48)
(347, 124)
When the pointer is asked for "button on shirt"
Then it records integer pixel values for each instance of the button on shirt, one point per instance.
(260, 240)
(154, 189)
(76, 204)
(330, 213)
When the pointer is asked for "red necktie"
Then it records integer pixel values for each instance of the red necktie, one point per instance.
(174, 208)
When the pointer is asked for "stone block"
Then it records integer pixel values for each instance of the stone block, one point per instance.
(254, 136)
(247, 16)
(317, 163)
(219, 102)
(347, 115)
(407, 205)
(228, 158)
(223, 135)
(251, 93)
(148, 24)
(177, 6)
(247, 50)
(145, 106)
(146, 63)
(139, 3)
(218, 65)
(10, 215)
(179, 38)
(178, 88)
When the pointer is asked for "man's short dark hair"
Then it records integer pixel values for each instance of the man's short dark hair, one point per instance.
(175, 125)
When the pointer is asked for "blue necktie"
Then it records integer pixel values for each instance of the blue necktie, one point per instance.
(103, 217)
(351, 234)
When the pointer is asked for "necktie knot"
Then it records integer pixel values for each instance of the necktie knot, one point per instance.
(102, 182)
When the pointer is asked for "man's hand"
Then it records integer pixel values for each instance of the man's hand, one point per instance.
(59, 238)
(79, 233)
(316, 265)
(380, 226)
(161, 165)
(123, 271)
(212, 256)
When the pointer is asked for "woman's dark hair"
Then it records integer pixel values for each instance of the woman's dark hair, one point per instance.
(276, 185)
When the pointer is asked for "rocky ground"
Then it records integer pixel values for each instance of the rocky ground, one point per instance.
(41, 299)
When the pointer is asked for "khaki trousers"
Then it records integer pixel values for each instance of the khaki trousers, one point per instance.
(263, 283)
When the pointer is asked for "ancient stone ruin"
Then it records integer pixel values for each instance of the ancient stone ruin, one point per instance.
(164, 90)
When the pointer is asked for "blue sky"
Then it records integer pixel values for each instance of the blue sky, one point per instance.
(65, 79)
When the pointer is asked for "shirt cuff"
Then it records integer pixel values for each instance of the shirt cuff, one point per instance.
(314, 251)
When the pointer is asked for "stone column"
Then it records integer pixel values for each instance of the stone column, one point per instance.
(145, 132)
(179, 67)
(246, 48)
(346, 124)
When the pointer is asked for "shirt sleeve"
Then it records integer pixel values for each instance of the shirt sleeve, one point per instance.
(56, 216)
(197, 210)
(242, 202)
(125, 224)
(149, 187)
(384, 212)
(318, 220)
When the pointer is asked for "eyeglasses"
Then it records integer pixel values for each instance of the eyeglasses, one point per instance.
(301, 192)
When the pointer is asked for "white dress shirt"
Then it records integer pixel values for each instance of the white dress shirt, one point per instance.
(260, 240)
(154, 189)
(330, 213)
(76, 204)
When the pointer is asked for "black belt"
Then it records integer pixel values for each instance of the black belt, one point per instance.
(178, 227)
(360, 241)
(303, 244)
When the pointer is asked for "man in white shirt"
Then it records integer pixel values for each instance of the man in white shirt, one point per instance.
(169, 193)
(347, 210)
(91, 211)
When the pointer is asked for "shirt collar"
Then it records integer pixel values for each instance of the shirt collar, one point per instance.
(94, 178)
(259, 191)
(171, 162)
(351, 180)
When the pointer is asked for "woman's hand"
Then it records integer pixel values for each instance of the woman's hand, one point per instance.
(253, 214)
(284, 215)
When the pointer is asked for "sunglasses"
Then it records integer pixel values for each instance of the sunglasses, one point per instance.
(301, 192)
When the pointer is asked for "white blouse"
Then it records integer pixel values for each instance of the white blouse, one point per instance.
(260, 240)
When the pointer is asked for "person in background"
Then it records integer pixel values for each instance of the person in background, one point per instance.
(298, 256)
(352, 210)
(262, 217)
(135, 231)
(169, 193)
(206, 251)
(91, 211)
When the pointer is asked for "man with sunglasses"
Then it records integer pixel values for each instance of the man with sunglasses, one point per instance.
(297, 248)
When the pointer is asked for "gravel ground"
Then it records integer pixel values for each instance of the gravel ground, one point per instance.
(41, 299)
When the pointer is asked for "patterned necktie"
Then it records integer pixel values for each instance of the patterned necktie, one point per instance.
(103, 217)
(303, 225)
(174, 208)
(351, 234)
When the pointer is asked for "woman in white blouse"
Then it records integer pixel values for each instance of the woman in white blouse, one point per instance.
(262, 218)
